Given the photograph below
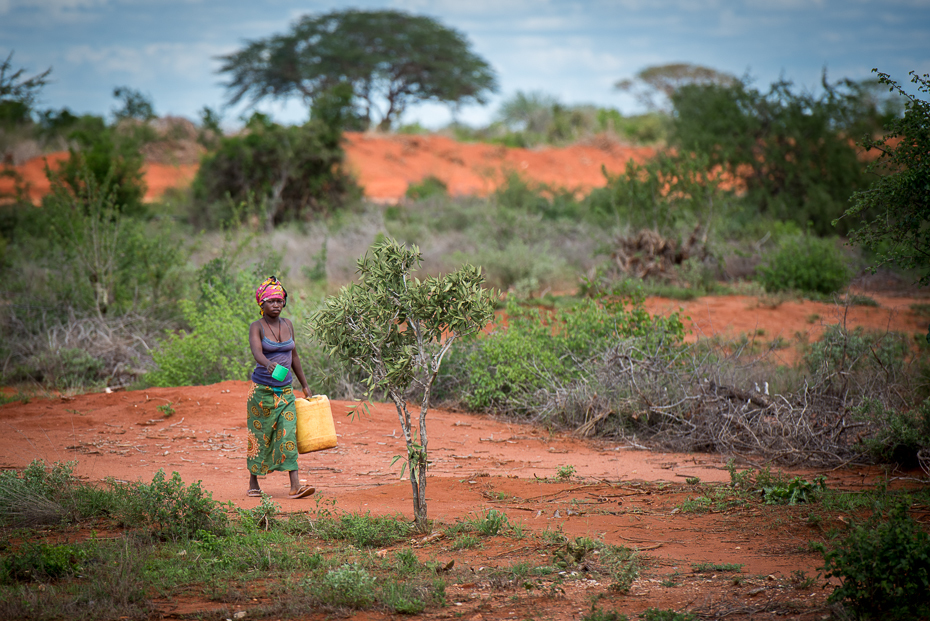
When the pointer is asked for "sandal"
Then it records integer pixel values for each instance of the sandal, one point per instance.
(303, 492)
(254, 493)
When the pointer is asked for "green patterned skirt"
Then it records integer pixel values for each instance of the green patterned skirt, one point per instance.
(272, 434)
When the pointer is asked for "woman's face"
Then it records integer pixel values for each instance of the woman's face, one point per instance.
(273, 306)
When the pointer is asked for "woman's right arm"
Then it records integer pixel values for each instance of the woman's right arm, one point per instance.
(255, 344)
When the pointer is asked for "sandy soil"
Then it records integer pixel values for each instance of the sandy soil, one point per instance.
(624, 496)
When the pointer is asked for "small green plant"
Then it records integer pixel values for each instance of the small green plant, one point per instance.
(806, 263)
(166, 410)
(698, 504)
(884, 567)
(492, 523)
(800, 580)
(656, 614)
(797, 490)
(348, 586)
(707, 568)
(565, 472)
(41, 562)
(465, 542)
(363, 530)
(596, 614)
(430, 186)
(262, 516)
(693, 480)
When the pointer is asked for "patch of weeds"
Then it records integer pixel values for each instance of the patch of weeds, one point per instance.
(573, 552)
(921, 310)
(491, 523)
(363, 531)
(40, 562)
(856, 299)
(260, 517)
(623, 566)
(347, 586)
(465, 542)
(656, 614)
(406, 562)
(565, 472)
(883, 566)
(596, 614)
(166, 410)
(796, 491)
(402, 598)
(698, 504)
(800, 580)
(553, 537)
(169, 509)
(693, 480)
(780, 342)
(19, 395)
(709, 568)
(813, 318)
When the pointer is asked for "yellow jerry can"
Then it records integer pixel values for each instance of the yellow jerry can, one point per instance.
(315, 428)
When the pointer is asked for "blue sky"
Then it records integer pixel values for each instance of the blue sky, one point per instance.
(573, 50)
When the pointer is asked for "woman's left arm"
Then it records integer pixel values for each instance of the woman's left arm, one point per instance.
(295, 364)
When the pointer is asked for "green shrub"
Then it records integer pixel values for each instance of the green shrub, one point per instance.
(856, 350)
(170, 510)
(278, 173)
(41, 562)
(797, 490)
(215, 349)
(897, 436)
(537, 347)
(427, 188)
(883, 566)
(37, 495)
(363, 531)
(657, 614)
(806, 263)
(348, 586)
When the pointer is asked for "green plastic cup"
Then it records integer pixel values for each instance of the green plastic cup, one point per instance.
(279, 373)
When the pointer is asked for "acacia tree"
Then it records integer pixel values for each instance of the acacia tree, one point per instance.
(899, 201)
(389, 57)
(665, 80)
(397, 330)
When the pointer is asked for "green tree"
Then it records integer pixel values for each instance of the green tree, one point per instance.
(18, 93)
(389, 57)
(133, 104)
(397, 330)
(897, 204)
(665, 80)
(281, 173)
(791, 150)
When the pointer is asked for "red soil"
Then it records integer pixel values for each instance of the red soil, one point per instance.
(386, 164)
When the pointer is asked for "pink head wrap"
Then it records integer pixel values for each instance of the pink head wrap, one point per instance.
(269, 289)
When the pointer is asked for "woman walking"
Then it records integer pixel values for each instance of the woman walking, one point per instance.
(272, 416)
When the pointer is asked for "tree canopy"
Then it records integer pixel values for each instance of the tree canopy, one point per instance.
(390, 58)
(899, 201)
(18, 93)
(792, 151)
(665, 80)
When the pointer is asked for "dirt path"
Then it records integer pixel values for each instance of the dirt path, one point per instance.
(619, 494)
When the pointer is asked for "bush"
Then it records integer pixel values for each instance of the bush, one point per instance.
(278, 173)
(883, 566)
(427, 188)
(807, 263)
(171, 510)
(898, 436)
(215, 349)
(538, 349)
(348, 586)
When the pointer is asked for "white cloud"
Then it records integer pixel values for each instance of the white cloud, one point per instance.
(179, 60)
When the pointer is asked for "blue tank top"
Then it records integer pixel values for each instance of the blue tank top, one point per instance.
(279, 353)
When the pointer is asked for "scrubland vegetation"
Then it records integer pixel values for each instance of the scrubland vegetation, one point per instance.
(752, 193)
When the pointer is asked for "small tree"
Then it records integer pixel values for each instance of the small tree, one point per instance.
(899, 201)
(397, 330)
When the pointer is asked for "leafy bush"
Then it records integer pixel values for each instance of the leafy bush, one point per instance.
(797, 490)
(363, 531)
(349, 586)
(427, 188)
(537, 347)
(805, 263)
(40, 562)
(37, 495)
(279, 173)
(883, 566)
(898, 436)
(215, 349)
(171, 510)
